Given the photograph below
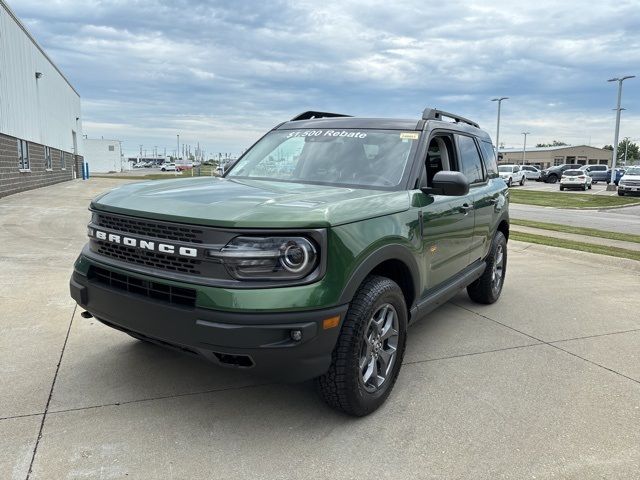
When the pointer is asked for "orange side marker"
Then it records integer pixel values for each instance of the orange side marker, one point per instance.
(332, 322)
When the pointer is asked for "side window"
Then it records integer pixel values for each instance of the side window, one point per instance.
(470, 163)
(63, 161)
(47, 158)
(24, 163)
(490, 164)
(439, 156)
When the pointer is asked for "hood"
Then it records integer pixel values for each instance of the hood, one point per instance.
(626, 176)
(250, 203)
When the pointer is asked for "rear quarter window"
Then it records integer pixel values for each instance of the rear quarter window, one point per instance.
(489, 159)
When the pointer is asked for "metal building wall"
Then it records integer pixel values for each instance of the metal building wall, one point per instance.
(44, 110)
(100, 158)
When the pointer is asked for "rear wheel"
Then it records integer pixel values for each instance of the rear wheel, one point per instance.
(368, 355)
(509, 182)
(584, 187)
(522, 180)
(552, 178)
(488, 287)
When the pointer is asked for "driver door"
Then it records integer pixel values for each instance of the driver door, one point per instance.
(448, 222)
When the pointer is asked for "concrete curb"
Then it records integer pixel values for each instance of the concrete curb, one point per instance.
(577, 256)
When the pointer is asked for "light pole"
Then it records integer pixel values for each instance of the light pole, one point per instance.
(524, 148)
(612, 185)
(499, 100)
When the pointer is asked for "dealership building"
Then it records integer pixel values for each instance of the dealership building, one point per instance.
(40, 120)
(104, 156)
(546, 157)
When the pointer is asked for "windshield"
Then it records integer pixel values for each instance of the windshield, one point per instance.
(505, 169)
(350, 157)
(573, 172)
(633, 171)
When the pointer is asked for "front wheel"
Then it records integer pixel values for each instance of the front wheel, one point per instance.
(522, 180)
(561, 188)
(552, 179)
(509, 182)
(163, 169)
(367, 357)
(488, 287)
(620, 193)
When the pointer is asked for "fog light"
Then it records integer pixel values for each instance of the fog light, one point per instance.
(296, 335)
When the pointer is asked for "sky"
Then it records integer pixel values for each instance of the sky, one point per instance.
(223, 73)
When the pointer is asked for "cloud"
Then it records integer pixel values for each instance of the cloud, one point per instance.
(224, 72)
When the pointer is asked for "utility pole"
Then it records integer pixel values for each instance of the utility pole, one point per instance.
(612, 186)
(524, 148)
(499, 100)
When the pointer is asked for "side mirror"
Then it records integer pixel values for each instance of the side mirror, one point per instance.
(452, 184)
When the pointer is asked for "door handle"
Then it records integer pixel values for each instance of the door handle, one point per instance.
(465, 208)
(493, 201)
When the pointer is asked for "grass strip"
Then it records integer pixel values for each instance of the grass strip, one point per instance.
(590, 232)
(572, 245)
(569, 200)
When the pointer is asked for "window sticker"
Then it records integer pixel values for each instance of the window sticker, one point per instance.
(409, 135)
(326, 133)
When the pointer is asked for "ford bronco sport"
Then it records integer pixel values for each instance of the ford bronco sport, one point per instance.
(312, 254)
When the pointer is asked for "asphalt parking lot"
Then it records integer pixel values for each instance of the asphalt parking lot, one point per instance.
(543, 384)
(599, 188)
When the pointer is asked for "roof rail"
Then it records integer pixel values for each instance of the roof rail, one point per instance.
(433, 114)
(311, 114)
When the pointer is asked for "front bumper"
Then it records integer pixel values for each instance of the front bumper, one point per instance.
(629, 188)
(260, 342)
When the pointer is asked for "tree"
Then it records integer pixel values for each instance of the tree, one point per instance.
(633, 151)
(555, 143)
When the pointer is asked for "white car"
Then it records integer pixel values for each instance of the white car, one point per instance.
(168, 167)
(630, 181)
(531, 172)
(575, 179)
(512, 174)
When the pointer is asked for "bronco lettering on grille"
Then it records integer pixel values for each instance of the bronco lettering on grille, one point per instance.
(151, 245)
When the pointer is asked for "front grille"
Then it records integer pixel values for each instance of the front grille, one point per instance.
(149, 259)
(138, 286)
(146, 228)
(632, 183)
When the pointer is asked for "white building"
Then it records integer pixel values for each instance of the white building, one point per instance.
(40, 120)
(104, 156)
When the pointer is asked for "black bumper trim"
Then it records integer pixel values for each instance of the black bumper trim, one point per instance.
(263, 337)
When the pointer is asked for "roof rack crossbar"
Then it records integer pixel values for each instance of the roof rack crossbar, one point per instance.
(434, 114)
(312, 114)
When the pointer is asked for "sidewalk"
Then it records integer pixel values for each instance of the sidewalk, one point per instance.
(577, 238)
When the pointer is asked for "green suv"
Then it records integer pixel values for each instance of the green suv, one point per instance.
(313, 253)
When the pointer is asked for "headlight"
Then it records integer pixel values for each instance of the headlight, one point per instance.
(268, 258)
(622, 181)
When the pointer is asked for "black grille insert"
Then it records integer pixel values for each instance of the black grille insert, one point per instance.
(138, 286)
(169, 231)
(148, 258)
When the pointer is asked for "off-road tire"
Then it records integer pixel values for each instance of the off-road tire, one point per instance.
(482, 291)
(341, 387)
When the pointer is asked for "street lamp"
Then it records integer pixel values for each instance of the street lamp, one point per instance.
(499, 100)
(612, 185)
(524, 148)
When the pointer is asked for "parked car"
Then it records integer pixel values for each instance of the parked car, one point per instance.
(512, 174)
(314, 273)
(139, 165)
(629, 182)
(553, 174)
(598, 173)
(531, 172)
(575, 179)
(619, 174)
(168, 167)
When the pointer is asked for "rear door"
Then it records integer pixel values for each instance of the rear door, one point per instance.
(482, 193)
